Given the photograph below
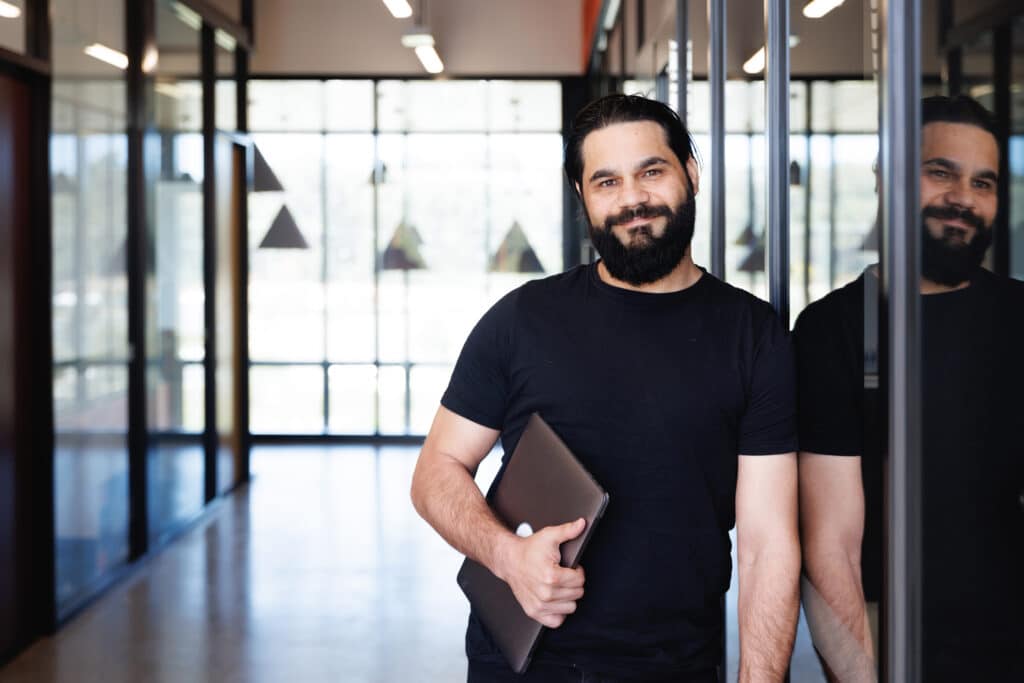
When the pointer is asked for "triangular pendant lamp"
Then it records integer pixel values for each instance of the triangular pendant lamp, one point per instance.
(403, 251)
(754, 261)
(746, 238)
(284, 233)
(264, 179)
(514, 254)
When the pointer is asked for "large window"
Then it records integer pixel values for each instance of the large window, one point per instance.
(419, 203)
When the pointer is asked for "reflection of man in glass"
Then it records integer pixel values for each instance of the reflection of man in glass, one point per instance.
(657, 376)
(973, 451)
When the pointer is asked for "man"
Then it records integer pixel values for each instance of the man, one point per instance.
(973, 455)
(657, 376)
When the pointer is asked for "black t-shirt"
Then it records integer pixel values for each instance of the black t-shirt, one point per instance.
(972, 366)
(657, 395)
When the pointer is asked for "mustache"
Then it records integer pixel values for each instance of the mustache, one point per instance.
(641, 211)
(946, 213)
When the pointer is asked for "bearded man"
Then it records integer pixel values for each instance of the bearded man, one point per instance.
(972, 453)
(675, 390)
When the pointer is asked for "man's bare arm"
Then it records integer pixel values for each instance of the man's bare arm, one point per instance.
(768, 553)
(445, 495)
(832, 528)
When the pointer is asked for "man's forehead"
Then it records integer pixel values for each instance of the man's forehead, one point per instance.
(623, 139)
(965, 141)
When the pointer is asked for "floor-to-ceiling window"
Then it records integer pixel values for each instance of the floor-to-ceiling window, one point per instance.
(175, 335)
(396, 213)
(89, 156)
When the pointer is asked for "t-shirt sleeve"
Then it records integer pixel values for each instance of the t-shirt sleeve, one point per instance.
(828, 388)
(478, 389)
(768, 425)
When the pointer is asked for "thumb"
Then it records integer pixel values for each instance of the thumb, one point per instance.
(568, 531)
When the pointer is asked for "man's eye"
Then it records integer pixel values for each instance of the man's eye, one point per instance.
(652, 172)
(606, 183)
(982, 184)
(938, 173)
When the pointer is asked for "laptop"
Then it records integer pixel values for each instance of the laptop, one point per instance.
(541, 485)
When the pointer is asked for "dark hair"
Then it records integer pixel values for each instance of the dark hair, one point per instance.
(617, 108)
(958, 109)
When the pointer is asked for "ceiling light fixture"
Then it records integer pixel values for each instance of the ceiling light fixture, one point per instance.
(755, 64)
(109, 55)
(9, 11)
(400, 9)
(816, 9)
(422, 42)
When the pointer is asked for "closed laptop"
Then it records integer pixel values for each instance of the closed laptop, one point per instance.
(542, 485)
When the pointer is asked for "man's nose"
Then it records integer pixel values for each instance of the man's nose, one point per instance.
(960, 194)
(632, 194)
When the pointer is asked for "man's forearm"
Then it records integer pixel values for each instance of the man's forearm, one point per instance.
(834, 601)
(446, 496)
(768, 610)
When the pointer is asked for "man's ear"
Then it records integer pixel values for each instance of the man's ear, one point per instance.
(579, 190)
(694, 173)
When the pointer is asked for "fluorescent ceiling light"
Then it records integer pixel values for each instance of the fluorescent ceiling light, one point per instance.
(9, 11)
(399, 9)
(816, 9)
(755, 64)
(419, 36)
(109, 55)
(429, 58)
(188, 16)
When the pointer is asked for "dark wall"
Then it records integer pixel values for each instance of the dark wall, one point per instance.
(15, 107)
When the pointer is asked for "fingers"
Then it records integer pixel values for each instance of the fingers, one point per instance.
(565, 532)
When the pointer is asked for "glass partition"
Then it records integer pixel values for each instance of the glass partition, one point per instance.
(89, 158)
(175, 325)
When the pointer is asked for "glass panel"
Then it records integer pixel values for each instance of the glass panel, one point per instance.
(427, 105)
(834, 313)
(286, 400)
(12, 25)
(391, 400)
(1016, 153)
(426, 385)
(353, 392)
(272, 106)
(226, 105)
(972, 477)
(175, 322)
(89, 157)
(524, 106)
(286, 287)
(351, 258)
(349, 105)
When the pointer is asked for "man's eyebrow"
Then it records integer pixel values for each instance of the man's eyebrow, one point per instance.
(650, 161)
(987, 175)
(601, 173)
(943, 162)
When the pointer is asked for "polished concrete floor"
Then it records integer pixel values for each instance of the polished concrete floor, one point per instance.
(319, 571)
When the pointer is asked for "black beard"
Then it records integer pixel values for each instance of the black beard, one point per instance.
(654, 257)
(949, 262)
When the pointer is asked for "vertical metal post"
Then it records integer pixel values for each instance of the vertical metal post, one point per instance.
(682, 52)
(716, 85)
(208, 75)
(242, 112)
(776, 30)
(140, 38)
(901, 116)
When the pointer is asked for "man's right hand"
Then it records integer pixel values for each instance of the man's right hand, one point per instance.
(546, 591)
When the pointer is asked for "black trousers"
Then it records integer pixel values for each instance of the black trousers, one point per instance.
(548, 672)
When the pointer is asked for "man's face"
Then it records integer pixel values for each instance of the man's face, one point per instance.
(959, 176)
(635, 194)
